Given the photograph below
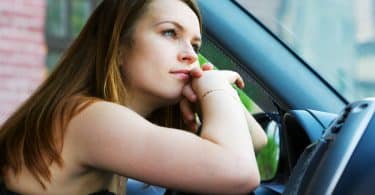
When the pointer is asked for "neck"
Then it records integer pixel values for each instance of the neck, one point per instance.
(142, 110)
(145, 103)
(142, 105)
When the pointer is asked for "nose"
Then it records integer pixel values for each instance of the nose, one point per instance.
(187, 55)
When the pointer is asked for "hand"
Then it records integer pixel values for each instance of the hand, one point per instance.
(189, 106)
(215, 80)
(188, 103)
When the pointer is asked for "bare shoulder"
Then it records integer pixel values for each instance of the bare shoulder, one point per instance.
(104, 116)
(105, 122)
(103, 112)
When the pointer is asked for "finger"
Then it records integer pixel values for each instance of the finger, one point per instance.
(196, 72)
(186, 111)
(194, 127)
(231, 76)
(187, 92)
(234, 77)
(240, 83)
(207, 66)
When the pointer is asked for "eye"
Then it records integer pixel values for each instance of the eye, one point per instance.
(196, 47)
(170, 33)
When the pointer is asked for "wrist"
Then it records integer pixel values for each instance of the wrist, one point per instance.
(231, 92)
(208, 92)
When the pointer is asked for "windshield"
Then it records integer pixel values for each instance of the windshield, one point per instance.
(336, 38)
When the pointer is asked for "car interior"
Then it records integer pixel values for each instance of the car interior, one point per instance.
(323, 141)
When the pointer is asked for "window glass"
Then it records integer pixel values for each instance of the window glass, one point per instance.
(56, 21)
(52, 58)
(221, 61)
(267, 157)
(336, 38)
(65, 19)
(80, 13)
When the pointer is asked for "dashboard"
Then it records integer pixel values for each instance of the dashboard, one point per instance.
(341, 160)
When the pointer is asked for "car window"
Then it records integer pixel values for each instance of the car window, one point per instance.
(267, 157)
(335, 38)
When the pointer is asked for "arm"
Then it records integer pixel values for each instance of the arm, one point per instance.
(258, 135)
(113, 138)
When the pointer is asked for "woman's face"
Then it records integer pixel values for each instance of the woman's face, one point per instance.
(165, 41)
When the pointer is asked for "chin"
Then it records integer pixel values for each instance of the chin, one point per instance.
(171, 100)
(167, 97)
(174, 100)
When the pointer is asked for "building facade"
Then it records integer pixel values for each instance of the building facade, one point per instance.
(33, 35)
(22, 51)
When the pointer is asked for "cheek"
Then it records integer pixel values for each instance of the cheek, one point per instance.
(145, 74)
(158, 48)
(148, 66)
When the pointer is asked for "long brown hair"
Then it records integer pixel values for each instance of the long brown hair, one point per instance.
(88, 71)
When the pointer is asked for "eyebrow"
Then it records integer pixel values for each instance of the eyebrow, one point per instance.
(179, 26)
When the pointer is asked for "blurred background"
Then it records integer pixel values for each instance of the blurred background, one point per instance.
(335, 37)
(33, 34)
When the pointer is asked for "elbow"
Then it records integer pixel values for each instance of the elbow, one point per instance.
(249, 182)
(247, 178)
(253, 183)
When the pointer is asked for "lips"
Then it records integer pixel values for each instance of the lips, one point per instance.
(183, 74)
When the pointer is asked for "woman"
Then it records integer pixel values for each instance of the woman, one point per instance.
(86, 125)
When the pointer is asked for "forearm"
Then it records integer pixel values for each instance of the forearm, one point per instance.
(224, 122)
(258, 135)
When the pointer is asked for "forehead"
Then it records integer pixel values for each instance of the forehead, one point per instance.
(172, 10)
